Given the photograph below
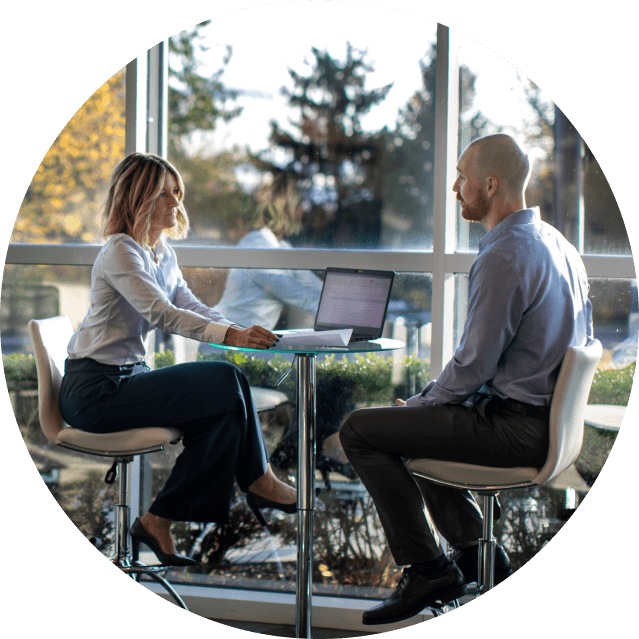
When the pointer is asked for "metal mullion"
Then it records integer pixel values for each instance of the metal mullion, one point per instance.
(136, 105)
(446, 118)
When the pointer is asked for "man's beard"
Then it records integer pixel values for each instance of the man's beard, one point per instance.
(478, 211)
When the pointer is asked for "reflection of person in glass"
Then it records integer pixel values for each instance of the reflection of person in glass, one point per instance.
(528, 303)
(137, 286)
(258, 296)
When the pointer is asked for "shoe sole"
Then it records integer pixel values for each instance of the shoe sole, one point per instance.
(449, 596)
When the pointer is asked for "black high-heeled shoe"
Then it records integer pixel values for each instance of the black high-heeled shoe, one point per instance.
(139, 534)
(255, 503)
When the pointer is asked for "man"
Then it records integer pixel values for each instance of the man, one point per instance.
(528, 303)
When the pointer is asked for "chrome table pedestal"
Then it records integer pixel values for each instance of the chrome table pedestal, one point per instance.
(306, 461)
(305, 491)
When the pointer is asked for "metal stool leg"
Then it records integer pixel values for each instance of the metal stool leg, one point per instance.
(123, 558)
(154, 573)
(122, 515)
(486, 554)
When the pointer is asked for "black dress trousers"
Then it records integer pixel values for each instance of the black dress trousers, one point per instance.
(210, 402)
(412, 511)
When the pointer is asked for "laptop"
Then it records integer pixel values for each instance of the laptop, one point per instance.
(354, 298)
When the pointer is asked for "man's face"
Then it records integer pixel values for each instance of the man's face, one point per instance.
(474, 201)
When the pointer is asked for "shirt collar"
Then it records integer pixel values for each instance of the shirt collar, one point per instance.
(160, 250)
(523, 216)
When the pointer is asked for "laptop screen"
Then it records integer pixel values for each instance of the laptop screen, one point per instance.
(354, 298)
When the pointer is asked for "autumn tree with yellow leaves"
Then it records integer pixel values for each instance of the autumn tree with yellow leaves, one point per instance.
(62, 203)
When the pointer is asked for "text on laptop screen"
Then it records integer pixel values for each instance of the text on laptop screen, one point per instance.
(352, 299)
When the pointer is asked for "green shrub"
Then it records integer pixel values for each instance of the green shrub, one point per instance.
(19, 367)
(612, 386)
(164, 359)
(365, 380)
(369, 376)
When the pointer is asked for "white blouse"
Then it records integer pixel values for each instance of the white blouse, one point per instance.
(131, 295)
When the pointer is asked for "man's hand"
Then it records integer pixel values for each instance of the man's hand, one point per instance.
(253, 337)
(400, 402)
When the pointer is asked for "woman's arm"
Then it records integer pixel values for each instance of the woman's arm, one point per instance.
(125, 270)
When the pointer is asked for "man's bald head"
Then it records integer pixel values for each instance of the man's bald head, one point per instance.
(493, 172)
(502, 156)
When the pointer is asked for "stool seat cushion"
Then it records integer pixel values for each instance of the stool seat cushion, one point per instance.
(471, 475)
(127, 441)
(267, 398)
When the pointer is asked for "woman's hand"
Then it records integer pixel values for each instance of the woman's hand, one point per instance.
(253, 337)
(400, 402)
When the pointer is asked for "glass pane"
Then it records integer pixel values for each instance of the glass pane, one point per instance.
(316, 137)
(533, 516)
(63, 200)
(567, 182)
(349, 542)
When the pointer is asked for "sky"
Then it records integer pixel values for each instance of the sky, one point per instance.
(395, 40)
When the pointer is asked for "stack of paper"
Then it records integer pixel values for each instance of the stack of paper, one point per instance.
(314, 339)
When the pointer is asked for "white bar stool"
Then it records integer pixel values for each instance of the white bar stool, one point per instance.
(566, 435)
(50, 338)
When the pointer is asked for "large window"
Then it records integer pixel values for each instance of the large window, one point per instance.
(324, 134)
(319, 123)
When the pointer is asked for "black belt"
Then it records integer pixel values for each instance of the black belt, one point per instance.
(88, 365)
(528, 410)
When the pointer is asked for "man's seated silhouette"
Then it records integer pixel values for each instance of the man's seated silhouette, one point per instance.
(528, 303)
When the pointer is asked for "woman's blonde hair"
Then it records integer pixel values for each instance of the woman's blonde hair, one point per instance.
(135, 185)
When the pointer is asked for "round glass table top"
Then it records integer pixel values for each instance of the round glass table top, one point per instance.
(381, 344)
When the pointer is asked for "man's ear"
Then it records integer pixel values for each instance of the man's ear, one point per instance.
(492, 183)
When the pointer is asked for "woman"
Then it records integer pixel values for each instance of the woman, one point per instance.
(136, 286)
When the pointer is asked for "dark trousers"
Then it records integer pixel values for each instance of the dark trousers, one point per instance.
(210, 402)
(378, 441)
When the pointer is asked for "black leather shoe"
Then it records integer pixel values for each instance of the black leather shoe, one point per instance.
(139, 534)
(467, 561)
(414, 592)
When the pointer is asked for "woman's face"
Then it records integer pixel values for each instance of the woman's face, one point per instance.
(166, 205)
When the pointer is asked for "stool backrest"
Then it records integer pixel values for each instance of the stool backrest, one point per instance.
(50, 338)
(568, 407)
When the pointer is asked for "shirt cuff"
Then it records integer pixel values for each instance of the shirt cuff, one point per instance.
(215, 333)
(414, 400)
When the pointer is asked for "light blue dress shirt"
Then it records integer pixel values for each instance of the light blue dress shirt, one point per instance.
(528, 303)
(131, 295)
(257, 296)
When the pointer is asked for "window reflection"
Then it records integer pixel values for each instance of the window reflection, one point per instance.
(259, 296)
